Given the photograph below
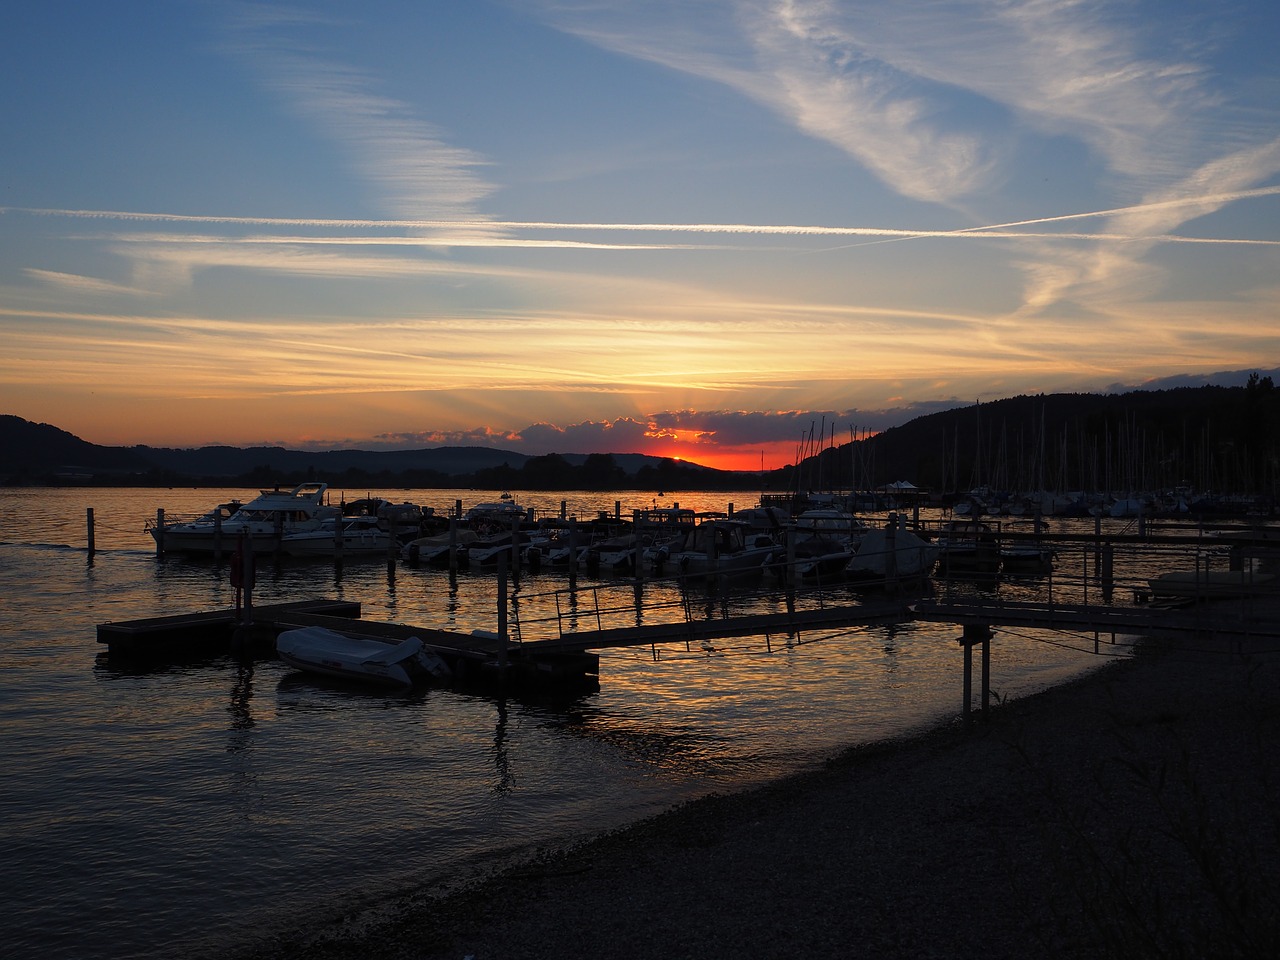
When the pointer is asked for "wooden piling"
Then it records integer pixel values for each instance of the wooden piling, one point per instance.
(502, 614)
(89, 522)
(975, 633)
(637, 564)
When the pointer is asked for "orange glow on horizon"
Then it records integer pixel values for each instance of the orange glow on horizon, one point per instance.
(766, 456)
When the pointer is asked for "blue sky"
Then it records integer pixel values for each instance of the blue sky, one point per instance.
(684, 228)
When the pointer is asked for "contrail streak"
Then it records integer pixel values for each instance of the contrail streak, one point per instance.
(996, 230)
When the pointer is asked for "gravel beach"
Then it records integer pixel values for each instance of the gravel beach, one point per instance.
(1132, 813)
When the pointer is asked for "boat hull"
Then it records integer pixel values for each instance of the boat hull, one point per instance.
(332, 654)
(1204, 583)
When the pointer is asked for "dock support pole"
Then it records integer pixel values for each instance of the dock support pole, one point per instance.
(515, 546)
(637, 563)
(976, 633)
(891, 553)
(502, 614)
(160, 532)
(89, 520)
(573, 553)
(789, 573)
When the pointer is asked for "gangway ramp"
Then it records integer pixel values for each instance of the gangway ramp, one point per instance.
(789, 622)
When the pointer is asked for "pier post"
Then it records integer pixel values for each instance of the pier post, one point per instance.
(243, 571)
(502, 613)
(637, 563)
(89, 521)
(573, 553)
(515, 545)
(976, 633)
(160, 532)
(891, 553)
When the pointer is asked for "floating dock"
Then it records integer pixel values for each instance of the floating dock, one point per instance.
(193, 634)
(471, 657)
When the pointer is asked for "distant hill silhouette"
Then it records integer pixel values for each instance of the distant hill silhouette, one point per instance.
(34, 450)
(1225, 439)
(1221, 438)
(38, 453)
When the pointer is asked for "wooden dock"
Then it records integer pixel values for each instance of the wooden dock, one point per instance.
(471, 656)
(548, 650)
(1225, 619)
(186, 634)
(789, 623)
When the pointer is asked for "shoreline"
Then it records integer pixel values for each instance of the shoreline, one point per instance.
(1126, 812)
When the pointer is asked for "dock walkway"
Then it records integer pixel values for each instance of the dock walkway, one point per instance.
(560, 645)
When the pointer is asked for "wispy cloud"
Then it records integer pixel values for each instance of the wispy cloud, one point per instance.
(418, 172)
(910, 92)
(799, 59)
(90, 286)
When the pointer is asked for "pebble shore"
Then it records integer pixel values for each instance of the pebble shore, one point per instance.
(1132, 813)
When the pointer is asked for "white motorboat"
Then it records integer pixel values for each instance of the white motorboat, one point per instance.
(340, 536)
(1026, 560)
(615, 554)
(496, 513)
(907, 556)
(489, 551)
(820, 542)
(718, 546)
(435, 548)
(332, 654)
(264, 520)
(1200, 584)
(968, 547)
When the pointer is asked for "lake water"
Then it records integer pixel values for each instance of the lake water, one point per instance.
(191, 809)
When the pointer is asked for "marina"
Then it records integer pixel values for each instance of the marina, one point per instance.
(237, 780)
(713, 549)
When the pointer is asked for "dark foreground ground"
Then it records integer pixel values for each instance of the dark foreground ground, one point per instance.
(1135, 813)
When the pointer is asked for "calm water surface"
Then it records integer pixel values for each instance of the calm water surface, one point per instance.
(193, 808)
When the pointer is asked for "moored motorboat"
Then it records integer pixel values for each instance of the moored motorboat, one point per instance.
(897, 554)
(1026, 560)
(329, 653)
(436, 549)
(1210, 583)
(496, 514)
(818, 544)
(263, 521)
(340, 536)
(719, 546)
(968, 547)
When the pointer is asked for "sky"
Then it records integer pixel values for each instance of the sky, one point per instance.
(708, 229)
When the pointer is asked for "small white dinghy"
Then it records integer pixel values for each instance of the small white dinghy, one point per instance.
(324, 651)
